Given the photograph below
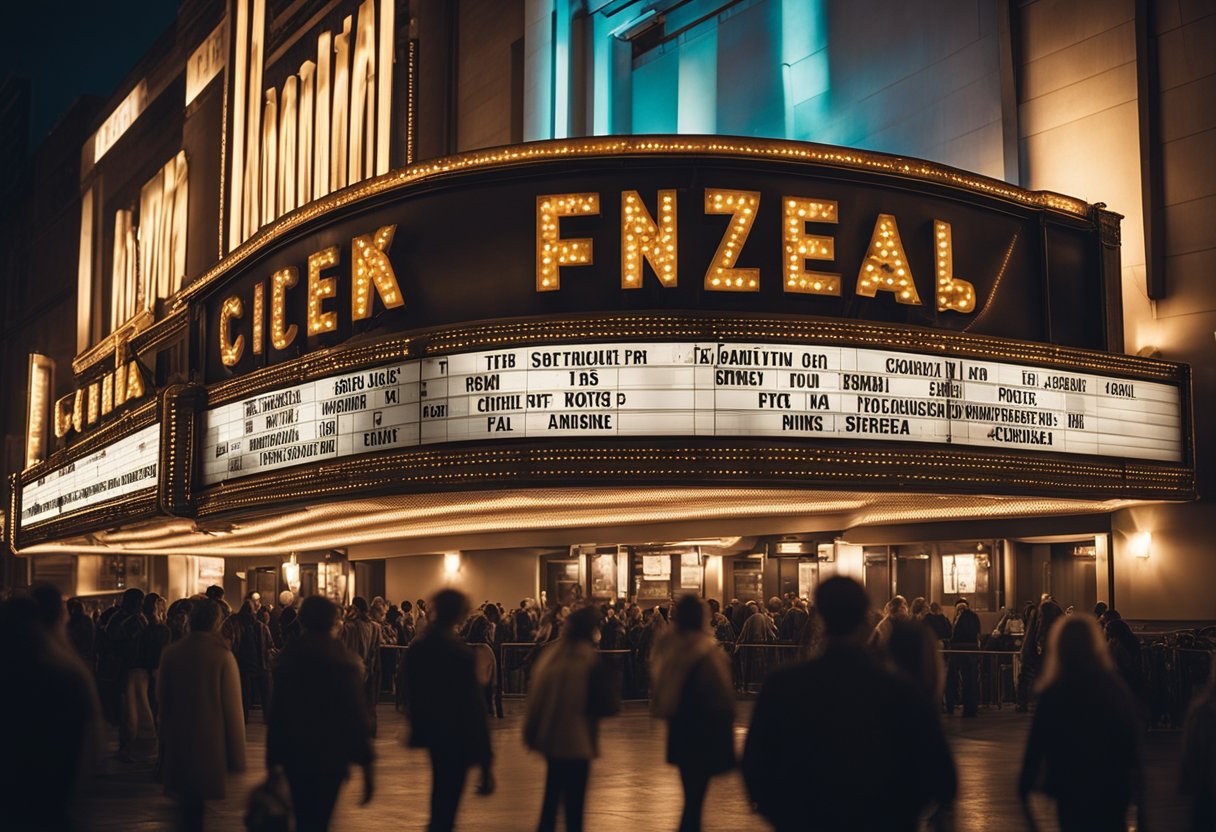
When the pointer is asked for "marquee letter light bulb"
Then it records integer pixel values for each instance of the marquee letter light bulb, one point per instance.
(801, 247)
(953, 294)
(230, 351)
(280, 282)
(370, 267)
(644, 239)
(552, 252)
(885, 268)
(259, 315)
(320, 288)
(742, 207)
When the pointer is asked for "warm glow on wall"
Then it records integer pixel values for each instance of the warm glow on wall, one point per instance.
(451, 565)
(1141, 544)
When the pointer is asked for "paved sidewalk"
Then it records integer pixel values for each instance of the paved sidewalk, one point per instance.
(631, 787)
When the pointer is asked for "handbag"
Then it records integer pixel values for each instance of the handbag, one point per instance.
(269, 807)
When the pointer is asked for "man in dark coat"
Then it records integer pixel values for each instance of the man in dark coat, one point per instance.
(318, 725)
(841, 742)
(446, 709)
(963, 668)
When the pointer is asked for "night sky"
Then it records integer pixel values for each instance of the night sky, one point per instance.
(73, 48)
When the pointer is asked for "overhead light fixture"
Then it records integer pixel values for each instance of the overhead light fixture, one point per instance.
(291, 573)
(451, 564)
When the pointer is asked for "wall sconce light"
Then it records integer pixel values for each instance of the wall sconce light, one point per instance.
(1142, 544)
(451, 564)
(291, 573)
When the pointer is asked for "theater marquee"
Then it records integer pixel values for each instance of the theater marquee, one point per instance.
(650, 311)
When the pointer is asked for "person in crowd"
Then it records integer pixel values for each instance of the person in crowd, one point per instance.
(480, 637)
(938, 623)
(1100, 609)
(612, 632)
(50, 718)
(1125, 653)
(1084, 743)
(790, 629)
(177, 619)
(318, 724)
(1031, 659)
(141, 680)
(82, 633)
(216, 593)
(445, 708)
(895, 610)
(963, 668)
(408, 625)
(122, 640)
(917, 654)
(919, 608)
(251, 642)
(723, 631)
(525, 622)
(692, 690)
(362, 637)
(754, 663)
(286, 599)
(1197, 773)
(1050, 613)
(570, 691)
(841, 742)
(202, 727)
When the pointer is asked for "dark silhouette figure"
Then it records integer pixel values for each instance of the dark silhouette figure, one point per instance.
(318, 723)
(1084, 744)
(570, 690)
(446, 707)
(82, 633)
(938, 622)
(49, 718)
(202, 728)
(1031, 660)
(1197, 778)
(362, 637)
(841, 742)
(251, 642)
(692, 690)
(963, 669)
(1125, 652)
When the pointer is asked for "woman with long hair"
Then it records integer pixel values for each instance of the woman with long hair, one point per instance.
(1084, 744)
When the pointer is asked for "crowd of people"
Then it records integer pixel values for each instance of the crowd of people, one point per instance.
(849, 737)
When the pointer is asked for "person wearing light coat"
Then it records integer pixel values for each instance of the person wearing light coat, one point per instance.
(202, 724)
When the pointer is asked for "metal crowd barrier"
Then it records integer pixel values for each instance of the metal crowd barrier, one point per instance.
(997, 671)
(1172, 674)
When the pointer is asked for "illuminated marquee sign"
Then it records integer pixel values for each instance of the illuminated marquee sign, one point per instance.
(676, 234)
(694, 389)
(123, 467)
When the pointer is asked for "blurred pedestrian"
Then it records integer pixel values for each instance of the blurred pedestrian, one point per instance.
(50, 718)
(318, 723)
(202, 727)
(693, 692)
(446, 709)
(841, 742)
(1084, 744)
(570, 690)
(1197, 778)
